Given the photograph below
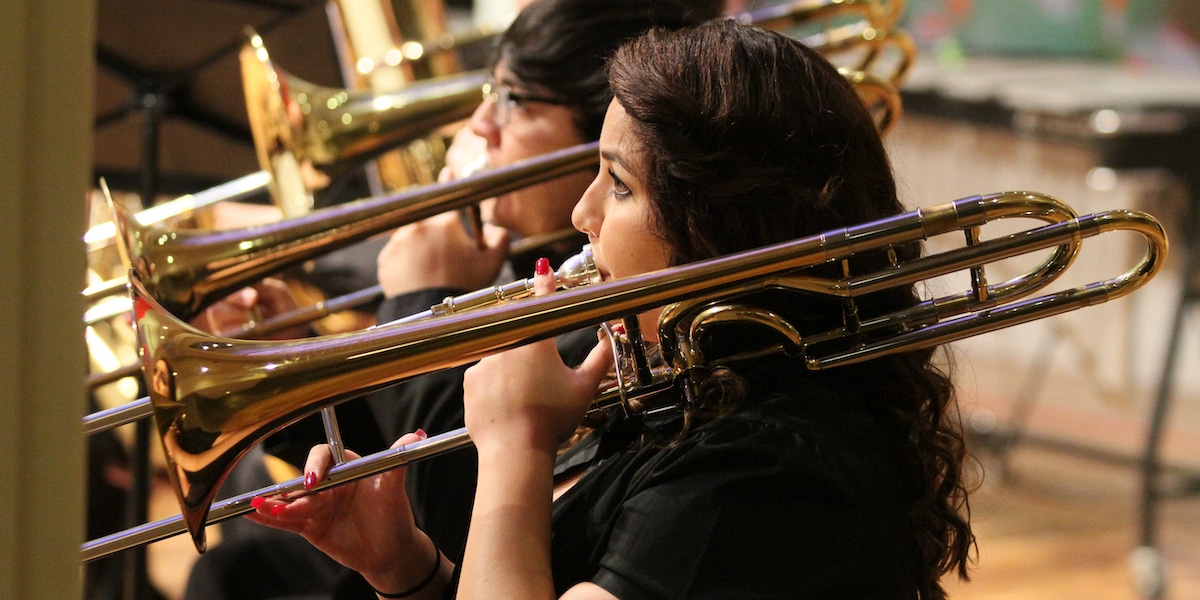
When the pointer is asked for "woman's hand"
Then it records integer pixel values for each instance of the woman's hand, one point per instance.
(467, 152)
(520, 405)
(366, 525)
(438, 252)
(528, 395)
(263, 300)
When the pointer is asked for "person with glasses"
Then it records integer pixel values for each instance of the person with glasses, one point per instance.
(753, 476)
(548, 91)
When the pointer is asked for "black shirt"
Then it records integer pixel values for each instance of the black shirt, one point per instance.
(801, 494)
(441, 489)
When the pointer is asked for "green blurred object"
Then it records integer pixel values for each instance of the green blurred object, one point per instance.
(1099, 29)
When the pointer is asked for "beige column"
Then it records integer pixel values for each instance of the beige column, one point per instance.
(46, 74)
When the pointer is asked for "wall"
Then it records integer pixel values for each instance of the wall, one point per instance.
(46, 50)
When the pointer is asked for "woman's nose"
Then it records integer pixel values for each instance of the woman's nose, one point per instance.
(483, 125)
(586, 215)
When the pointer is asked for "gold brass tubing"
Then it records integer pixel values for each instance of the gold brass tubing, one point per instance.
(1025, 311)
(574, 272)
(214, 397)
(98, 379)
(243, 187)
(318, 310)
(239, 505)
(104, 234)
(117, 416)
(186, 271)
(110, 287)
(881, 13)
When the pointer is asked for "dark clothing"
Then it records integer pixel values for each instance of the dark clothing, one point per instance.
(801, 494)
(442, 489)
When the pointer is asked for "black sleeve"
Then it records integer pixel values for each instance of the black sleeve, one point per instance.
(441, 489)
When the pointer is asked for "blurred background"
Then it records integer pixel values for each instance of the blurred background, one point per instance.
(1085, 427)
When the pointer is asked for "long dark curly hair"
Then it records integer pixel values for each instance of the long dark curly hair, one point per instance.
(751, 138)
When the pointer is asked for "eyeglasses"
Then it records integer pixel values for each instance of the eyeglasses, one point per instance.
(505, 99)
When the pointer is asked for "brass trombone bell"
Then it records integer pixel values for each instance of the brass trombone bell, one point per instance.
(305, 134)
(860, 37)
(105, 233)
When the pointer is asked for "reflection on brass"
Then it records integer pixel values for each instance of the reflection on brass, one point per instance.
(305, 134)
(226, 395)
(186, 270)
(860, 37)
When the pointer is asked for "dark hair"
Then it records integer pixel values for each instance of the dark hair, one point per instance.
(560, 46)
(751, 138)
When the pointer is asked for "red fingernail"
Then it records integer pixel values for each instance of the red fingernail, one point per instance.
(543, 266)
(258, 501)
(275, 510)
(310, 480)
(421, 434)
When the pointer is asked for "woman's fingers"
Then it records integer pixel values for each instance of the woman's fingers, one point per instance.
(598, 363)
(544, 281)
(410, 438)
(279, 510)
(316, 467)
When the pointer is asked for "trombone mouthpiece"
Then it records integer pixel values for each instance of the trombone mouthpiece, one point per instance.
(578, 270)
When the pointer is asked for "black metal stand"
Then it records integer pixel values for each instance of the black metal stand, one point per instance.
(158, 96)
(1160, 483)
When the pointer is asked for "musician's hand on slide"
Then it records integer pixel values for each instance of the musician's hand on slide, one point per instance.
(366, 525)
(528, 395)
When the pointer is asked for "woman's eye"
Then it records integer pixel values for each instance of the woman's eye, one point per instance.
(619, 191)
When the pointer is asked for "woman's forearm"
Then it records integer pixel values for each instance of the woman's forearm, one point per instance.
(508, 547)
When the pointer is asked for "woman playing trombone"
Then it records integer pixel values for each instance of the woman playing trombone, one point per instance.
(549, 92)
(770, 481)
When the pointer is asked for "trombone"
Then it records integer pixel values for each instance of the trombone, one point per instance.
(213, 398)
(185, 271)
(296, 123)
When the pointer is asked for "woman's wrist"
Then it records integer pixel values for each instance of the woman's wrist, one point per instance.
(419, 586)
(503, 443)
(412, 577)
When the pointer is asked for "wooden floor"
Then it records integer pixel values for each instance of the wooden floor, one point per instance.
(1063, 526)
